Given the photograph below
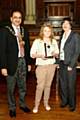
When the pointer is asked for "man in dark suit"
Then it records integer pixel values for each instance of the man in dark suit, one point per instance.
(69, 51)
(15, 60)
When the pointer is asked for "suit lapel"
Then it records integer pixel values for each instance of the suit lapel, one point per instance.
(69, 38)
(22, 31)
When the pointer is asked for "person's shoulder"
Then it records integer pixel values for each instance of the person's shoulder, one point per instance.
(23, 27)
(3, 29)
(37, 40)
(25, 30)
(7, 27)
(54, 40)
(76, 34)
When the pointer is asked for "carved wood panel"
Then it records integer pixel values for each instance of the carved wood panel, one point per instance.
(58, 10)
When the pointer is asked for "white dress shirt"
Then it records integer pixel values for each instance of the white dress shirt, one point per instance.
(63, 41)
(17, 29)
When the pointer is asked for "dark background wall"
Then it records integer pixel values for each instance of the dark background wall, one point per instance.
(7, 5)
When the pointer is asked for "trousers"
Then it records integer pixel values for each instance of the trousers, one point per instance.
(18, 78)
(44, 74)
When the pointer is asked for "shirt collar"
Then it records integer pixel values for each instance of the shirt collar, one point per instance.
(14, 27)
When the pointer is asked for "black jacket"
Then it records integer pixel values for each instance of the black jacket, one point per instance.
(9, 49)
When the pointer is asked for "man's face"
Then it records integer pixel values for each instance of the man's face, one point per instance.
(16, 18)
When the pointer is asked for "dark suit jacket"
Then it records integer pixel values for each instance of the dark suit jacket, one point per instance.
(71, 49)
(9, 49)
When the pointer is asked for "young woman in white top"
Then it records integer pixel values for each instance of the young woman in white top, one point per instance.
(45, 50)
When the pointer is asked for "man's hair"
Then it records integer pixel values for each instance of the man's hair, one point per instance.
(15, 10)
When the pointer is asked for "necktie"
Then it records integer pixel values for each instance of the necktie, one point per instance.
(21, 43)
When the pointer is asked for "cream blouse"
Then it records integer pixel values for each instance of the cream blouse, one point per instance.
(38, 47)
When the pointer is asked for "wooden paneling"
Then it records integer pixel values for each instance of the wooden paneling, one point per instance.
(7, 5)
(58, 9)
(59, 0)
(39, 10)
(77, 11)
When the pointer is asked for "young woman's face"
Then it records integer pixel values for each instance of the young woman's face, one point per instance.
(46, 32)
(66, 25)
(16, 18)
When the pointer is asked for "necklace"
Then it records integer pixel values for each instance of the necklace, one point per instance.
(13, 32)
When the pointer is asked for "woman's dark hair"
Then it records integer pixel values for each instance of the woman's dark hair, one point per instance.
(67, 19)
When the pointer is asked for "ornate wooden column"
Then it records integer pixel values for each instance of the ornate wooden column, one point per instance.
(30, 15)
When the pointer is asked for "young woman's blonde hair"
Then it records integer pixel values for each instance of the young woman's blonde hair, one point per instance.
(47, 24)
